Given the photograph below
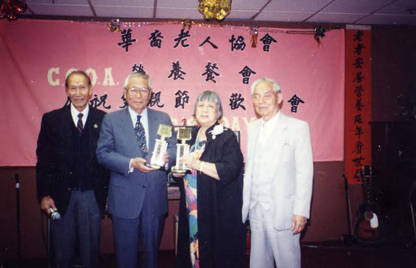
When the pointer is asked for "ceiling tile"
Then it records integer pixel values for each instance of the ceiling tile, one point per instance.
(179, 13)
(282, 16)
(338, 11)
(61, 10)
(335, 18)
(248, 5)
(131, 3)
(124, 12)
(241, 14)
(38, 2)
(178, 3)
(298, 6)
(384, 19)
(398, 7)
(355, 6)
(71, 2)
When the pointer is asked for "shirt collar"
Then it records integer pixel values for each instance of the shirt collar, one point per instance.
(271, 121)
(134, 114)
(75, 112)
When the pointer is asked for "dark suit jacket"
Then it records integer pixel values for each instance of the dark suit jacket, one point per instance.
(56, 157)
(116, 146)
(221, 232)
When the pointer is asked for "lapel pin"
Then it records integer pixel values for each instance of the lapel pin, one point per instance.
(95, 125)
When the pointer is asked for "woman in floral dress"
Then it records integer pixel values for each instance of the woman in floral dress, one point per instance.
(211, 233)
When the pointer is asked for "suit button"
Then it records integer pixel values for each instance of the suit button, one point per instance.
(70, 173)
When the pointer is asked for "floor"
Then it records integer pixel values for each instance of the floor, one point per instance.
(314, 255)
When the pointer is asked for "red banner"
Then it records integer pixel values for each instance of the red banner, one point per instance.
(357, 102)
(182, 61)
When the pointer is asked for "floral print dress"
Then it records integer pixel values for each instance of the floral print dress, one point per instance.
(190, 183)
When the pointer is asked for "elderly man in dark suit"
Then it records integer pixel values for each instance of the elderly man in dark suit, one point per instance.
(137, 197)
(69, 178)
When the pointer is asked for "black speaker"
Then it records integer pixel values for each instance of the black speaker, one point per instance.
(394, 166)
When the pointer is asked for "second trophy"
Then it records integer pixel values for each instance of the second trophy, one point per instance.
(182, 149)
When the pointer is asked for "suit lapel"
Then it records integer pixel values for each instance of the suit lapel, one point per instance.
(255, 130)
(279, 136)
(153, 125)
(67, 126)
(128, 132)
(90, 120)
(92, 126)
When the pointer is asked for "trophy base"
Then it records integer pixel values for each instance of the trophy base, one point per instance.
(178, 171)
(150, 165)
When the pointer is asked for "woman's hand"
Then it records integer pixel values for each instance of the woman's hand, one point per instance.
(192, 160)
(177, 175)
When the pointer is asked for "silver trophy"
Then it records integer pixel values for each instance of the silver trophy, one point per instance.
(161, 146)
(182, 149)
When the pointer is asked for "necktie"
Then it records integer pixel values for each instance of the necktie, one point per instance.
(141, 135)
(80, 126)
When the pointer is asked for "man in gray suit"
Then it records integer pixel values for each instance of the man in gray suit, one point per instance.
(137, 198)
(278, 180)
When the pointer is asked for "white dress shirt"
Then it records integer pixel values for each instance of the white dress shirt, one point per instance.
(144, 120)
(261, 176)
(75, 112)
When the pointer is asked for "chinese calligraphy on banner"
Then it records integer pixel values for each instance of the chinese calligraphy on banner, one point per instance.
(36, 56)
(357, 103)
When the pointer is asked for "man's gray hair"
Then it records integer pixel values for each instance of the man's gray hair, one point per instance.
(276, 87)
(210, 96)
(139, 75)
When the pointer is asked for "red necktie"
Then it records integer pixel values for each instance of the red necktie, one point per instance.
(80, 126)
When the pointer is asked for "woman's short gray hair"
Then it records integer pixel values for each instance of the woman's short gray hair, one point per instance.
(139, 75)
(276, 87)
(210, 96)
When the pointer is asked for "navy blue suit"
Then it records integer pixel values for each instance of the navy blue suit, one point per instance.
(136, 200)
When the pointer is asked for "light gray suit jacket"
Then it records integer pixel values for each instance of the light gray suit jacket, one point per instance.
(292, 173)
(118, 144)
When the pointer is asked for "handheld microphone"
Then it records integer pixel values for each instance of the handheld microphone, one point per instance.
(54, 214)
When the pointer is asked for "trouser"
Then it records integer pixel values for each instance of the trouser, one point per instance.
(78, 228)
(269, 245)
(148, 227)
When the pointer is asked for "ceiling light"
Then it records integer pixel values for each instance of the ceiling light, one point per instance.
(214, 9)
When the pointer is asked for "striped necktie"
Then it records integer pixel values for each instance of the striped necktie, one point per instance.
(80, 126)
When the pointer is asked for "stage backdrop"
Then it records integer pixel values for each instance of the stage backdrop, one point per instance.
(182, 61)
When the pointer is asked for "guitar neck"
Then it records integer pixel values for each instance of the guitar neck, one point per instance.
(348, 204)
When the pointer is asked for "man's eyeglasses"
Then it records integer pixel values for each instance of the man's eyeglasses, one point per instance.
(138, 91)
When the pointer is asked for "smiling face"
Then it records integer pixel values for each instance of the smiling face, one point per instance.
(78, 90)
(266, 101)
(206, 113)
(137, 93)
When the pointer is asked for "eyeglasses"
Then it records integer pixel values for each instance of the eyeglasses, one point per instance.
(138, 91)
